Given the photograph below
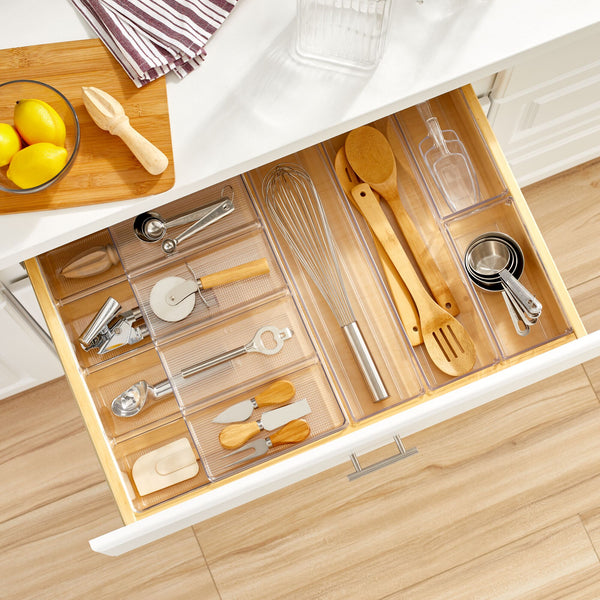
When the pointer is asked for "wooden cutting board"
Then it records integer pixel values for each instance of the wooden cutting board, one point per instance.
(104, 169)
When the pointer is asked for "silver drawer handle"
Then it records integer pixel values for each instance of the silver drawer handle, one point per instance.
(360, 471)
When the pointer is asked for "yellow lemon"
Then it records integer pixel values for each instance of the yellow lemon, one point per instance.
(10, 143)
(36, 164)
(37, 121)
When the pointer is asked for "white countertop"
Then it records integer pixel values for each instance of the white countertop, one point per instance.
(252, 102)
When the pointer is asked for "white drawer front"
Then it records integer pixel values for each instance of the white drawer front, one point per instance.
(322, 457)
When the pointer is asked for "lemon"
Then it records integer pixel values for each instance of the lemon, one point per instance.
(36, 164)
(37, 121)
(10, 143)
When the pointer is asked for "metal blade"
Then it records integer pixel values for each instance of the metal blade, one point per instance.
(163, 308)
(238, 412)
(274, 419)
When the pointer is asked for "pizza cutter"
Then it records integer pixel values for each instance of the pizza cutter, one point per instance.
(173, 298)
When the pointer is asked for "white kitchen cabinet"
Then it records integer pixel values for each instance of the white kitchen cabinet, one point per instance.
(545, 111)
(27, 355)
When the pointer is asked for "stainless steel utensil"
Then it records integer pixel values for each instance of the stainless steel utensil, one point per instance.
(130, 402)
(151, 227)
(494, 262)
(295, 207)
(233, 436)
(109, 330)
(448, 162)
(268, 340)
(173, 298)
(278, 392)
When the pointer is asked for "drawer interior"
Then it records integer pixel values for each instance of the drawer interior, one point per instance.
(316, 357)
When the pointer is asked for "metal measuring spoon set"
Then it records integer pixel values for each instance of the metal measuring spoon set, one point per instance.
(494, 262)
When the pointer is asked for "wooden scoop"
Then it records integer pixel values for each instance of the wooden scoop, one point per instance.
(403, 301)
(448, 343)
(371, 156)
(109, 115)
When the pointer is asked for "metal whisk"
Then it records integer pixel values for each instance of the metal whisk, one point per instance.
(294, 205)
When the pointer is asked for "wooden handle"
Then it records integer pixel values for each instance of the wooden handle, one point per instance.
(431, 273)
(234, 436)
(373, 213)
(277, 393)
(246, 271)
(150, 157)
(292, 433)
(91, 262)
(407, 311)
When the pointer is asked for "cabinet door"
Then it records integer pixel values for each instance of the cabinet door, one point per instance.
(545, 111)
(27, 357)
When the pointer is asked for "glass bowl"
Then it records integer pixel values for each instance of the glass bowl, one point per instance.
(21, 89)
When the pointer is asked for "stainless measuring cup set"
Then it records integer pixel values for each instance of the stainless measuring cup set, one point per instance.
(494, 262)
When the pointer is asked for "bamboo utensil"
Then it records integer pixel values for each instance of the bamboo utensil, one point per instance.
(448, 343)
(371, 156)
(109, 115)
(400, 295)
(292, 433)
(233, 436)
(277, 393)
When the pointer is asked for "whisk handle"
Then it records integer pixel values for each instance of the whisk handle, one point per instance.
(365, 361)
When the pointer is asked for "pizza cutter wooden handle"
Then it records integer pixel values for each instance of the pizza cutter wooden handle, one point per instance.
(236, 435)
(294, 432)
(277, 393)
(246, 271)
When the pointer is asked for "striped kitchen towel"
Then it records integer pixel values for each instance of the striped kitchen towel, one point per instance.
(150, 38)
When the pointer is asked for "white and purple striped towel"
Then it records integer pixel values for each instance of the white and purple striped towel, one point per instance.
(149, 38)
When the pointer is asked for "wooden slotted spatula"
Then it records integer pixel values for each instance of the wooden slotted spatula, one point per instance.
(370, 155)
(403, 301)
(447, 342)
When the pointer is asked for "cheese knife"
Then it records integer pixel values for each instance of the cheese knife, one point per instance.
(278, 392)
(293, 433)
(234, 436)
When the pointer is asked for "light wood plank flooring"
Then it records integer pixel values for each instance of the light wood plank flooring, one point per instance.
(500, 503)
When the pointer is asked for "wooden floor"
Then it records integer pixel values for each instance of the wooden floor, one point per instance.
(500, 503)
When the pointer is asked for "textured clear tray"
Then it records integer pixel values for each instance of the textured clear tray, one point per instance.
(310, 383)
(366, 294)
(129, 451)
(78, 313)
(220, 302)
(503, 216)
(241, 371)
(413, 195)
(454, 115)
(107, 383)
(96, 244)
(138, 256)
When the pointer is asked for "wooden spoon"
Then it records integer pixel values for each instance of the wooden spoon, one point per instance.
(403, 301)
(448, 343)
(371, 156)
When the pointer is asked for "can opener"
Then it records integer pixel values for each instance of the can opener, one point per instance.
(109, 330)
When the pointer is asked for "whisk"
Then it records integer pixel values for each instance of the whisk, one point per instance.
(295, 207)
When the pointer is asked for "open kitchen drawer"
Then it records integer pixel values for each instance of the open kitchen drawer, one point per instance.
(344, 419)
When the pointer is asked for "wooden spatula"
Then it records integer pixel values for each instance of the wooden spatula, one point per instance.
(447, 342)
(370, 155)
(403, 301)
